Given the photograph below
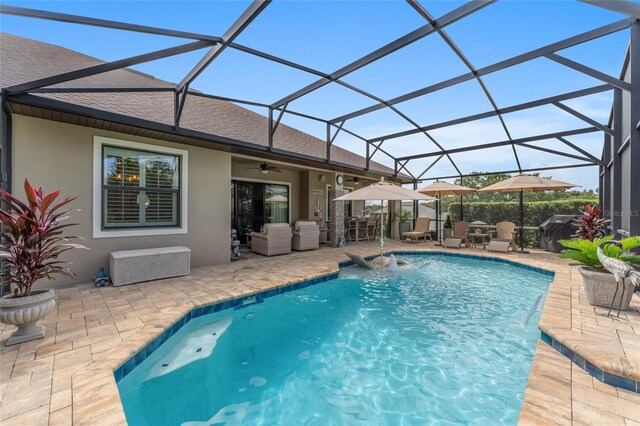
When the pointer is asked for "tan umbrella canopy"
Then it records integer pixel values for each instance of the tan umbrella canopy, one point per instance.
(438, 189)
(383, 191)
(278, 198)
(526, 183)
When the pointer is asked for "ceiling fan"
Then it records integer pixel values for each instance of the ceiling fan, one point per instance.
(355, 180)
(264, 168)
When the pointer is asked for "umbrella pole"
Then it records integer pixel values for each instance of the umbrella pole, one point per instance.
(382, 232)
(522, 250)
(438, 214)
(461, 206)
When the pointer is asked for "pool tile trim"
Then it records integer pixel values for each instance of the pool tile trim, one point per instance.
(236, 303)
(602, 376)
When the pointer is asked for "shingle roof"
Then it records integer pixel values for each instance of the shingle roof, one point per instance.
(23, 60)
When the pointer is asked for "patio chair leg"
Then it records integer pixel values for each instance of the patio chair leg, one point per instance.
(613, 300)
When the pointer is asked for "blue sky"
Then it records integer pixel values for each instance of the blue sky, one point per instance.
(327, 35)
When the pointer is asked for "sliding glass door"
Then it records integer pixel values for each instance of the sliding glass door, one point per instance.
(257, 203)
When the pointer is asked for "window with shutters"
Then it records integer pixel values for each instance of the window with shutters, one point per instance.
(140, 188)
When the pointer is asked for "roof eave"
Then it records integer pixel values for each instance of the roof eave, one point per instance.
(189, 137)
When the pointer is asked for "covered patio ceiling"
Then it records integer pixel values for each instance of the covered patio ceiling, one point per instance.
(420, 164)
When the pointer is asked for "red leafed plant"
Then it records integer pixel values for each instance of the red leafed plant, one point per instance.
(591, 225)
(33, 237)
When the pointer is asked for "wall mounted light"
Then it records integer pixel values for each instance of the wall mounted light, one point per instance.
(322, 178)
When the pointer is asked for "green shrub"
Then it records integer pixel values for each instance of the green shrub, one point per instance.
(447, 223)
(584, 252)
(535, 212)
(404, 215)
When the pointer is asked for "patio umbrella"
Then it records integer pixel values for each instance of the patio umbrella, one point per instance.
(383, 191)
(278, 198)
(526, 183)
(438, 189)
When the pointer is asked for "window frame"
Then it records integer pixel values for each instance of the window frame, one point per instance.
(99, 229)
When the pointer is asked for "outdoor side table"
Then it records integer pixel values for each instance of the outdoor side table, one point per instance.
(476, 239)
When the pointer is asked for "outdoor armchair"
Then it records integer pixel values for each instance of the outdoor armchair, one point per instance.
(350, 228)
(502, 237)
(274, 239)
(460, 230)
(373, 226)
(306, 235)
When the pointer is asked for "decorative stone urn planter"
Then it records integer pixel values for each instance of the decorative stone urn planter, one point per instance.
(25, 312)
(448, 232)
(600, 287)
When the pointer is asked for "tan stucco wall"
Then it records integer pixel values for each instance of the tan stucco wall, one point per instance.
(60, 156)
(313, 178)
(243, 170)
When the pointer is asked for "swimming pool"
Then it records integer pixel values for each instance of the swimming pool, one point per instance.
(447, 340)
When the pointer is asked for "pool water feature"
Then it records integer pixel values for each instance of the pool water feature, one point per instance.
(445, 340)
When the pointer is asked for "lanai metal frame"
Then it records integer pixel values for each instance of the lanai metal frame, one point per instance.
(609, 163)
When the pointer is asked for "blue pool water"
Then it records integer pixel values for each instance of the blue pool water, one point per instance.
(445, 340)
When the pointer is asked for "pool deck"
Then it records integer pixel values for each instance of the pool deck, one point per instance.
(67, 377)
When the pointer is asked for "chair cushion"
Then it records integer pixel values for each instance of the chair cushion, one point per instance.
(413, 234)
(302, 223)
(274, 227)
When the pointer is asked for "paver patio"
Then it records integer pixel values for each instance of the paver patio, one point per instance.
(67, 377)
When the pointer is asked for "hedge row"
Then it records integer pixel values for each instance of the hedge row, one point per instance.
(535, 212)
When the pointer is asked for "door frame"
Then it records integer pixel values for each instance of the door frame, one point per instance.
(274, 182)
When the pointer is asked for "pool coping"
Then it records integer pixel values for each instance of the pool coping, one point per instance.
(588, 350)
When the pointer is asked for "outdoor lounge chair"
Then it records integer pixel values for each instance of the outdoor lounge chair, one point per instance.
(502, 237)
(421, 230)
(306, 235)
(274, 239)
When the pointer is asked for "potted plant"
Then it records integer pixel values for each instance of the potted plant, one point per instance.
(404, 217)
(32, 242)
(600, 284)
(590, 225)
(448, 227)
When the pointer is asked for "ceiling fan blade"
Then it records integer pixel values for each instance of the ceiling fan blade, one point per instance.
(275, 169)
